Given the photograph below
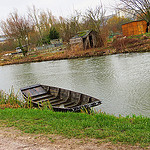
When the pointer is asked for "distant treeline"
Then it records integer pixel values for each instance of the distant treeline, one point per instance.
(38, 27)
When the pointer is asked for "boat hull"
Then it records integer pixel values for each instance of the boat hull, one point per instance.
(59, 99)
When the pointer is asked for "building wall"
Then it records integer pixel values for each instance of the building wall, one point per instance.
(134, 28)
(75, 40)
(77, 46)
(84, 42)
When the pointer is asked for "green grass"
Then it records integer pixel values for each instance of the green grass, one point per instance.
(127, 130)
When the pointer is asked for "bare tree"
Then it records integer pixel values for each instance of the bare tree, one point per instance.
(138, 8)
(46, 20)
(70, 26)
(18, 28)
(33, 14)
(95, 19)
(42, 21)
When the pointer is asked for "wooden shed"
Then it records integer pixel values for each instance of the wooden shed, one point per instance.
(134, 28)
(84, 39)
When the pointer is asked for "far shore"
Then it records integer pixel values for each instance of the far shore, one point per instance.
(45, 55)
(133, 46)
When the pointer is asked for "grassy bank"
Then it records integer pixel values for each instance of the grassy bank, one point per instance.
(128, 130)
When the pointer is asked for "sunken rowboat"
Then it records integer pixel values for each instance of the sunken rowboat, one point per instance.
(59, 99)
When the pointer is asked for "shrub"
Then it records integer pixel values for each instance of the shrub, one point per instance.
(121, 43)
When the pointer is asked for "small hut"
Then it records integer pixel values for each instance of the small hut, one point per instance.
(84, 39)
(134, 28)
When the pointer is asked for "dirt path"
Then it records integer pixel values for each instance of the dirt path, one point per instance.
(11, 139)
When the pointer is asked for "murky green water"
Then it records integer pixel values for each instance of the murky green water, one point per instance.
(121, 81)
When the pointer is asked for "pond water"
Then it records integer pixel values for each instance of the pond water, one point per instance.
(121, 82)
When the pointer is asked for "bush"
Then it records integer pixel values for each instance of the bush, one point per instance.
(120, 43)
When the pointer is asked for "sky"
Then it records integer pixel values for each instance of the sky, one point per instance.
(58, 8)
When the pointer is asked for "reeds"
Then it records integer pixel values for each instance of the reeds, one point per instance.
(9, 100)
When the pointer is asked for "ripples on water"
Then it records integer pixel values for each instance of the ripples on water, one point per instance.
(121, 81)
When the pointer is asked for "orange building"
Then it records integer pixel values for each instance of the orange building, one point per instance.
(134, 28)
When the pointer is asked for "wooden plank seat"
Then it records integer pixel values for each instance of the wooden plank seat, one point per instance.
(34, 92)
(70, 100)
(63, 97)
(63, 101)
(80, 101)
(77, 100)
(47, 96)
(40, 102)
(69, 104)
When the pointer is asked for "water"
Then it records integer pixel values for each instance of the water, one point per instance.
(121, 81)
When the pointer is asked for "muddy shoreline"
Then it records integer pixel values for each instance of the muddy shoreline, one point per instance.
(64, 58)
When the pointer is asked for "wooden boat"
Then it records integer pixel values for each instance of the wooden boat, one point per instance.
(60, 99)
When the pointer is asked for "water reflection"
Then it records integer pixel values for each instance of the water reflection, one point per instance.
(122, 82)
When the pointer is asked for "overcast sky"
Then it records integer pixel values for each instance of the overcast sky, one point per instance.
(58, 7)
